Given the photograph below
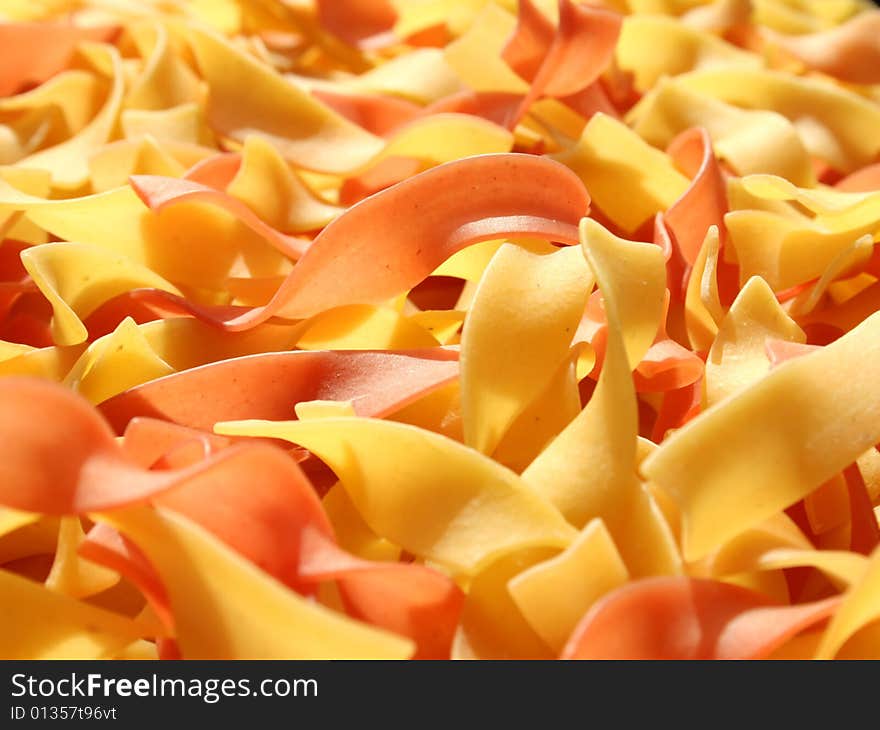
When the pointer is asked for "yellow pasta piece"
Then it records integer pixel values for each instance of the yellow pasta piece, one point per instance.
(439, 411)
(10, 350)
(751, 141)
(111, 167)
(430, 495)
(653, 46)
(247, 97)
(186, 343)
(51, 363)
(226, 16)
(181, 343)
(422, 76)
(847, 260)
(836, 210)
(841, 291)
(609, 157)
(28, 538)
(703, 310)
(548, 120)
(138, 650)
(517, 334)
(541, 421)
(860, 607)
(48, 625)
(71, 575)
(446, 137)
(803, 16)
(786, 251)
(12, 519)
(184, 123)
(585, 359)
(633, 286)
(77, 278)
(739, 198)
(116, 362)
(113, 219)
(834, 123)
(13, 224)
(841, 565)
(68, 161)
(771, 584)
(351, 531)
(46, 115)
(442, 324)
(529, 483)
(589, 470)
(663, 7)
(718, 16)
(741, 553)
(323, 409)
(476, 56)
(363, 327)
(166, 81)
(869, 467)
(776, 544)
(576, 578)
(213, 591)
(275, 193)
(19, 140)
(863, 644)
(666, 504)
(71, 99)
(738, 357)
(457, 15)
(217, 245)
(470, 262)
(797, 432)
(492, 625)
(800, 648)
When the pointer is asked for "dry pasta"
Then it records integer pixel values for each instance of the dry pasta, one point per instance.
(471, 329)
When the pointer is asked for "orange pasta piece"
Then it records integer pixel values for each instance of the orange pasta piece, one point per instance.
(564, 62)
(358, 22)
(380, 115)
(848, 52)
(667, 366)
(527, 47)
(278, 524)
(107, 547)
(270, 384)
(439, 329)
(86, 474)
(409, 599)
(394, 240)
(861, 181)
(160, 192)
(685, 618)
(41, 50)
(150, 442)
(704, 203)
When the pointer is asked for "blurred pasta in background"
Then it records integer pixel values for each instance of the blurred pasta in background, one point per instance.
(439, 329)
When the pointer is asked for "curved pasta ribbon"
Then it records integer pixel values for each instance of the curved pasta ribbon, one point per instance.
(445, 502)
(684, 618)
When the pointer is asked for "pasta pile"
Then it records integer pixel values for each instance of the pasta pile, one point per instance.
(439, 329)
